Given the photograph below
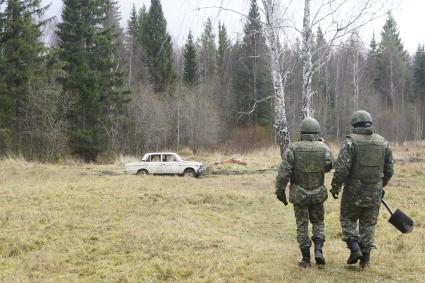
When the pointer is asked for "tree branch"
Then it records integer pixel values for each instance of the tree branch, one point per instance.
(256, 102)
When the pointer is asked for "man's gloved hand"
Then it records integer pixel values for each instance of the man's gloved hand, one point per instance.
(334, 192)
(383, 193)
(282, 197)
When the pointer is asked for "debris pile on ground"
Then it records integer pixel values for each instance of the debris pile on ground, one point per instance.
(233, 161)
(236, 166)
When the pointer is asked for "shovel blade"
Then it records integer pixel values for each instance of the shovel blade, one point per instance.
(402, 222)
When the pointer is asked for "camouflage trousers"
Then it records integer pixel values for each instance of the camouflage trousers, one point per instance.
(315, 214)
(365, 217)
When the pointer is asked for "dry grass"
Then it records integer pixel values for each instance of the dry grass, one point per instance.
(90, 223)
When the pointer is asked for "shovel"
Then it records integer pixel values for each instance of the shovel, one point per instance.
(400, 220)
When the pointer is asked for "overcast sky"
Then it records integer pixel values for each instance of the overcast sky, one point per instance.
(183, 15)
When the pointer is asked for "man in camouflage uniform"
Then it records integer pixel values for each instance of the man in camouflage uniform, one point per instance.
(305, 164)
(364, 166)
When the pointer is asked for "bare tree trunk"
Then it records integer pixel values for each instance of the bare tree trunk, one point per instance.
(392, 84)
(417, 128)
(356, 79)
(130, 70)
(178, 124)
(307, 36)
(395, 126)
(337, 98)
(254, 73)
(327, 101)
(19, 123)
(272, 34)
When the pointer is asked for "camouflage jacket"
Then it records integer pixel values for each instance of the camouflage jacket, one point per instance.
(298, 194)
(355, 191)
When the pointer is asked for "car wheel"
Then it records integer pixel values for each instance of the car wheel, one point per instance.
(189, 173)
(142, 172)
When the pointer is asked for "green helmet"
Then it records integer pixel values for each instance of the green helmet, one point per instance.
(361, 116)
(310, 126)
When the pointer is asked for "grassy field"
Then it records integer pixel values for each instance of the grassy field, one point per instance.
(91, 223)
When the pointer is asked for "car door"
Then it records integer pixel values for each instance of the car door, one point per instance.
(154, 164)
(169, 164)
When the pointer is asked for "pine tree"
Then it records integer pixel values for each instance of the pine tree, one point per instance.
(158, 47)
(371, 67)
(132, 21)
(373, 46)
(77, 35)
(109, 50)
(419, 73)
(5, 133)
(2, 93)
(136, 57)
(223, 47)
(253, 82)
(391, 62)
(140, 25)
(89, 41)
(224, 93)
(190, 74)
(207, 52)
(22, 56)
(131, 41)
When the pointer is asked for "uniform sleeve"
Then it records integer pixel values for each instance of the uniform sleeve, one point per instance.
(328, 160)
(343, 165)
(388, 165)
(285, 171)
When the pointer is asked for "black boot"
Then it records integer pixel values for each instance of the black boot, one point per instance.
(318, 253)
(305, 261)
(356, 252)
(365, 259)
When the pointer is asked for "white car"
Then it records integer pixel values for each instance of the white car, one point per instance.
(164, 163)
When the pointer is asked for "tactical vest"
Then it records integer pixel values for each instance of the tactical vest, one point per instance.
(309, 164)
(368, 159)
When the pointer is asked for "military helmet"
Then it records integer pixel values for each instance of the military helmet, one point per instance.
(310, 126)
(361, 116)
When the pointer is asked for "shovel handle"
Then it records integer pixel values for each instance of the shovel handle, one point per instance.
(387, 207)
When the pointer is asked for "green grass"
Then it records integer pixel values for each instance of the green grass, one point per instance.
(90, 223)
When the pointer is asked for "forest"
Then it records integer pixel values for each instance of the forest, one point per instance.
(98, 89)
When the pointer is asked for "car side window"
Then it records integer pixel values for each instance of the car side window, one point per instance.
(168, 158)
(155, 158)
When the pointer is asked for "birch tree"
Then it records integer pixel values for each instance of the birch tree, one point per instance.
(306, 57)
(272, 35)
(327, 14)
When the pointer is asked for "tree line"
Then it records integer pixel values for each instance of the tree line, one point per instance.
(100, 89)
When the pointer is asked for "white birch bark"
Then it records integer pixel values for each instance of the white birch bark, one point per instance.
(356, 79)
(272, 34)
(306, 57)
(337, 98)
